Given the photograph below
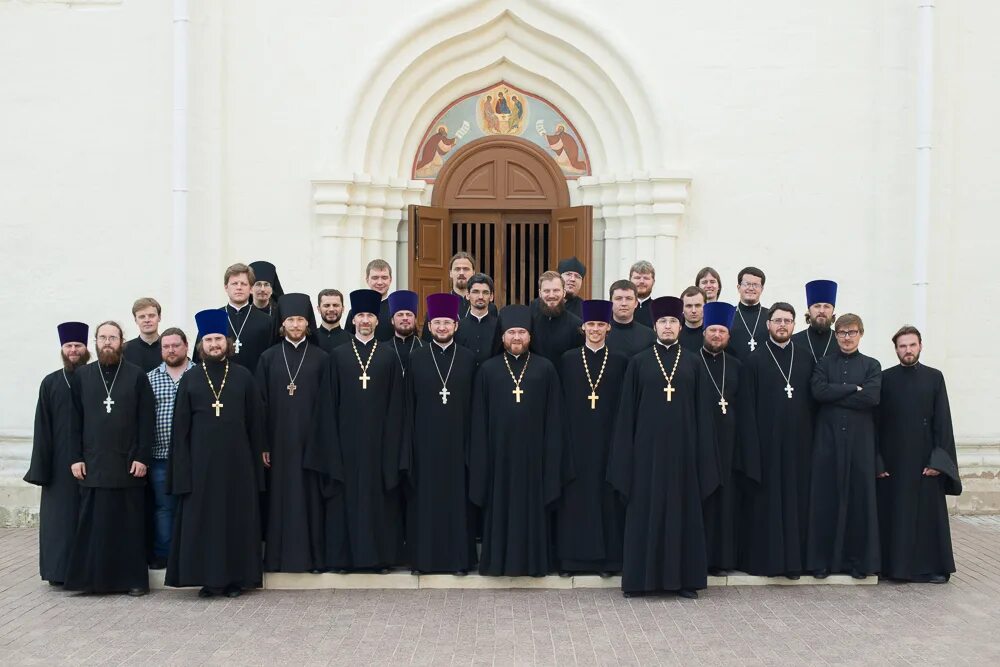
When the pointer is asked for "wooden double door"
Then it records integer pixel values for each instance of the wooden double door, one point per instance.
(512, 247)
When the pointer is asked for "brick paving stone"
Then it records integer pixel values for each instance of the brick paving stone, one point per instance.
(890, 624)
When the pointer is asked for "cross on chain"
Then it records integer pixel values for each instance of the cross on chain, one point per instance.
(669, 389)
(723, 403)
(789, 389)
(218, 406)
(108, 403)
(517, 393)
(593, 399)
(444, 395)
(364, 379)
(752, 344)
(291, 388)
(238, 345)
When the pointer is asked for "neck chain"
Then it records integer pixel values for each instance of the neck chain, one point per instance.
(788, 378)
(395, 348)
(752, 342)
(65, 377)
(812, 351)
(291, 378)
(593, 385)
(669, 389)
(238, 344)
(364, 366)
(444, 393)
(517, 380)
(723, 403)
(100, 371)
(218, 394)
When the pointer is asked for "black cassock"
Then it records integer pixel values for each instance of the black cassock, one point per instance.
(255, 331)
(403, 348)
(642, 313)
(574, 304)
(818, 345)
(551, 337)
(295, 539)
(481, 336)
(516, 464)
(630, 339)
(721, 521)
(359, 459)
(217, 472)
(843, 517)
(915, 432)
(329, 339)
(439, 533)
(692, 338)
(752, 325)
(146, 356)
(590, 517)
(663, 463)
(109, 548)
(383, 330)
(774, 454)
(52, 454)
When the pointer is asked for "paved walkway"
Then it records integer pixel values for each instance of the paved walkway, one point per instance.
(889, 624)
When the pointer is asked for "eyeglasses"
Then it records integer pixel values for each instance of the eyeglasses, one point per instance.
(108, 339)
(782, 320)
(753, 286)
(853, 333)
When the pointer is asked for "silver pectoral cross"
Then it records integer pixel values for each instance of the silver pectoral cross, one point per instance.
(238, 345)
(753, 344)
(444, 395)
(789, 389)
(107, 404)
(722, 404)
(291, 388)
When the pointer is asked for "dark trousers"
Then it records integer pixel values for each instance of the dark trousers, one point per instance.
(163, 508)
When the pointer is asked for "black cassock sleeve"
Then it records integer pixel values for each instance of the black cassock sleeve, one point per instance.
(408, 428)
(179, 468)
(480, 451)
(708, 459)
(262, 380)
(256, 424)
(40, 469)
(620, 458)
(76, 415)
(943, 457)
(142, 449)
(322, 451)
(557, 466)
(747, 458)
(392, 431)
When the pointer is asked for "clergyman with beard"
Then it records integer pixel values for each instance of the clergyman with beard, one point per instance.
(52, 455)
(461, 270)
(403, 311)
(478, 329)
(216, 469)
(821, 300)
(554, 330)
(331, 333)
(112, 431)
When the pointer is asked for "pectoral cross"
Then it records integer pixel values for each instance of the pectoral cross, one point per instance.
(108, 403)
(789, 389)
(669, 389)
(444, 395)
(364, 379)
(517, 393)
(722, 404)
(217, 406)
(593, 399)
(238, 345)
(291, 388)
(752, 344)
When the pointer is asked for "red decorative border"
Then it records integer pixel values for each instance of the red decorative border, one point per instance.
(453, 103)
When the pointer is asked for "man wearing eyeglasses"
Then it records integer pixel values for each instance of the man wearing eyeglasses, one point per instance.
(749, 329)
(843, 518)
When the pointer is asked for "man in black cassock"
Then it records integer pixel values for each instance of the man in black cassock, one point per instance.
(266, 289)
(52, 454)
(516, 464)
(359, 457)
(144, 350)
(252, 330)
(478, 329)
(291, 376)
(111, 432)
(438, 397)
(330, 334)
(821, 300)
(843, 517)
(749, 324)
(554, 330)
(216, 469)
(917, 445)
(774, 423)
(692, 336)
(572, 271)
(663, 463)
(627, 336)
(403, 311)
(590, 517)
(461, 271)
(642, 274)
(718, 398)
(378, 277)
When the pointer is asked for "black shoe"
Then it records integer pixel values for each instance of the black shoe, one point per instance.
(821, 574)
(233, 591)
(383, 570)
(137, 592)
(858, 575)
(794, 576)
(605, 575)
(716, 572)
(56, 583)
(158, 564)
(415, 573)
(206, 592)
(565, 574)
(461, 573)
(938, 579)
(688, 593)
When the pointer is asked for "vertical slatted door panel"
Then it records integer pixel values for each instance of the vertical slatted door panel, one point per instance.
(431, 240)
(572, 234)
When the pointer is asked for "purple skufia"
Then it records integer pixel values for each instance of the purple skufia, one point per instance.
(666, 306)
(596, 310)
(718, 313)
(821, 291)
(444, 305)
(403, 299)
(73, 332)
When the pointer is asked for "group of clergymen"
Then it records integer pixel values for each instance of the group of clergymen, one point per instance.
(665, 439)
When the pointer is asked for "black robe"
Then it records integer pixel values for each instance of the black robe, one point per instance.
(574, 304)
(146, 356)
(109, 549)
(383, 330)
(463, 309)
(720, 508)
(642, 313)
(439, 533)
(843, 517)
(692, 338)
(774, 456)
(663, 463)
(359, 459)
(551, 337)
(216, 469)
(51, 458)
(915, 432)
(516, 464)
(256, 334)
(481, 336)
(630, 339)
(817, 345)
(590, 517)
(295, 539)
(403, 348)
(330, 339)
(754, 319)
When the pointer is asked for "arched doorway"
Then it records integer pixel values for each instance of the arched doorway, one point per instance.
(505, 201)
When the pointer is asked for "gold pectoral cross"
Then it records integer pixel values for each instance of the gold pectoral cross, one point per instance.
(364, 379)
(593, 399)
(218, 406)
(291, 388)
(669, 389)
(517, 393)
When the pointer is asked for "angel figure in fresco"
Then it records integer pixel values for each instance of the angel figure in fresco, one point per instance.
(434, 149)
(502, 107)
(518, 115)
(492, 122)
(565, 147)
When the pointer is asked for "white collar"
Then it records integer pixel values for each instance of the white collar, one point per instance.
(477, 316)
(362, 341)
(444, 347)
(642, 301)
(294, 344)
(777, 344)
(660, 342)
(239, 308)
(587, 344)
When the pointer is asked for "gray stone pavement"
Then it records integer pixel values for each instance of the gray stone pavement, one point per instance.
(890, 624)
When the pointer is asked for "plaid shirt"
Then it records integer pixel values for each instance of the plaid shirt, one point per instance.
(165, 390)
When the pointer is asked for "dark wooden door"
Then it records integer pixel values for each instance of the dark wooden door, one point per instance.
(430, 250)
(572, 231)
